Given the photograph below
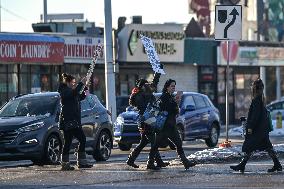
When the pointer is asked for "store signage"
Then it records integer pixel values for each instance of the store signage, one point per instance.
(255, 56)
(31, 52)
(168, 40)
(81, 49)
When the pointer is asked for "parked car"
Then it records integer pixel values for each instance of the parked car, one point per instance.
(122, 102)
(29, 128)
(198, 119)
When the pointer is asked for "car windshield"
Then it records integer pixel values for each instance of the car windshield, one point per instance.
(30, 106)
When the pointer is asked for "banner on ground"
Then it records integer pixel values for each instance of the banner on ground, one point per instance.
(152, 54)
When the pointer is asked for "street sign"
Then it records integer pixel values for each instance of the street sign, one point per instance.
(228, 22)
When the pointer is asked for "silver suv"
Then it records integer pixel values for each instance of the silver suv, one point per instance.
(29, 128)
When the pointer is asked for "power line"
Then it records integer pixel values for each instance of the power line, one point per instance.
(12, 13)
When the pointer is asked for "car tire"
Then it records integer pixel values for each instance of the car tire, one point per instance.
(52, 151)
(103, 147)
(124, 146)
(213, 138)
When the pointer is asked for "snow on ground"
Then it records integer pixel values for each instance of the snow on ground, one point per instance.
(235, 152)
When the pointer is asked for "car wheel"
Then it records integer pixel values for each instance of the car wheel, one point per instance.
(124, 146)
(52, 150)
(212, 141)
(103, 149)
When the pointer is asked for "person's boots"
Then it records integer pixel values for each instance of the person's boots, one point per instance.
(151, 165)
(186, 163)
(242, 165)
(277, 165)
(82, 160)
(65, 164)
(160, 162)
(131, 158)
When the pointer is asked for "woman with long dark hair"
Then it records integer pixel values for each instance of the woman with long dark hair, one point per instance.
(168, 103)
(257, 130)
(70, 121)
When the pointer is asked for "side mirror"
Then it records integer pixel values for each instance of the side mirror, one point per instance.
(190, 108)
(129, 108)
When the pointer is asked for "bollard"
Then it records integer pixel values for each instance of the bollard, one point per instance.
(279, 120)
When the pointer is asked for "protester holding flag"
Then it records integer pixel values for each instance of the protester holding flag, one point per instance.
(70, 121)
(141, 95)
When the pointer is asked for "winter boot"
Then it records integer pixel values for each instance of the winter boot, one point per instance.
(160, 162)
(277, 166)
(131, 158)
(82, 160)
(186, 163)
(65, 166)
(151, 165)
(241, 166)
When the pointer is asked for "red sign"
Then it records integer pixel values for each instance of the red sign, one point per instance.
(234, 46)
(31, 52)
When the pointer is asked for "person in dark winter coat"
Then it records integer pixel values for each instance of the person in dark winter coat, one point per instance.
(168, 103)
(139, 98)
(70, 121)
(257, 130)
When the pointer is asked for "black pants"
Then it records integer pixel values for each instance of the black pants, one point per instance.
(171, 134)
(68, 137)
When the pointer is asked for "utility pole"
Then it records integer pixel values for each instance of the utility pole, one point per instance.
(109, 66)
(0, 16)
(44, 11)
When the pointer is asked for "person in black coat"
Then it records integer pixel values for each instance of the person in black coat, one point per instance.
(139, 98)
(70, 121)
(257, 130)
(168, 103)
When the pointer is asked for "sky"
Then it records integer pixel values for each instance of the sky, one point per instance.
(18, 15)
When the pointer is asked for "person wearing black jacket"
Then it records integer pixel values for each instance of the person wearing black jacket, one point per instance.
(257, 130)
(70, 121)
(140, 97)
(168, 103)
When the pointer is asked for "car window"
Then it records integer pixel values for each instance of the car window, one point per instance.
(95, 104)
(208, 104)
(29, 106)
(188, 100)
(199, 101)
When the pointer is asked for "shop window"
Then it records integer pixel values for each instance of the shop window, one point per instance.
(3, 88)
(12, 85)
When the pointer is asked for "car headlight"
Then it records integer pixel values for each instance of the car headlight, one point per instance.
(31, 127)
(119, 123)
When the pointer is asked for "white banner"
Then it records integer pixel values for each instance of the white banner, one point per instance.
(152, 54)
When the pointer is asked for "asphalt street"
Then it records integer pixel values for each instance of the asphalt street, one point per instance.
(114, 173)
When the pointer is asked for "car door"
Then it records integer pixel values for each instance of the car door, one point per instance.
(87, 121)
(202, 113)
(189, 116)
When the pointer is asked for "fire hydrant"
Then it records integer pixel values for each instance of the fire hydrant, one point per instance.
(279, 120)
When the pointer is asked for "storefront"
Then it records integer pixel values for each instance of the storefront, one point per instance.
(133, 62)
(201, 53)
(245, 62)
(29, 63)
(78, 55)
